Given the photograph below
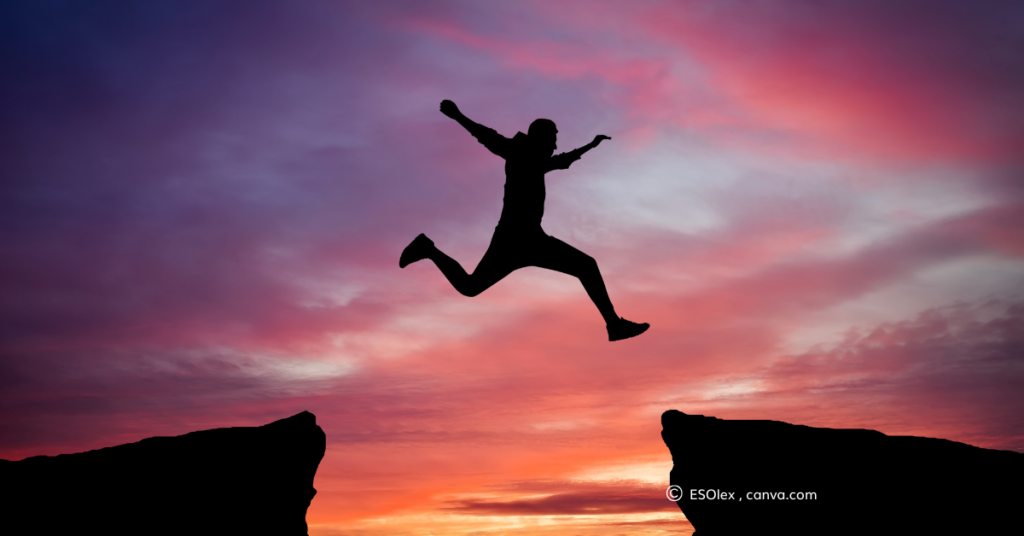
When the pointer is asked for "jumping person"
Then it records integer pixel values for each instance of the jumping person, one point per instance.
(518, 239)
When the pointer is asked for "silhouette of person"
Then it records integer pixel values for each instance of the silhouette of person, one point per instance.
(518, 239)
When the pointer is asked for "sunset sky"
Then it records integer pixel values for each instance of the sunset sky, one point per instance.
(818, 206)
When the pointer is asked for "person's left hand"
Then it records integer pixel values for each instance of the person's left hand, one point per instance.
(599, 137)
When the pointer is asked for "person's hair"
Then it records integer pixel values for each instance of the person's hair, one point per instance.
(542, 125)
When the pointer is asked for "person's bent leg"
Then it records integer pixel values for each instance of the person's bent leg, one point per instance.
(417, 250)
(498, 261)
(492, 268)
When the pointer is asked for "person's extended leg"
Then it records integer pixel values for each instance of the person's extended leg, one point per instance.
(493, 267)
(559, 256)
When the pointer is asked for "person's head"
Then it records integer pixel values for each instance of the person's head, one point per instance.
(543, 135)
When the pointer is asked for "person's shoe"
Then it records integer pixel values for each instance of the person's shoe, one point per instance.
(624, 329)
(417, 250)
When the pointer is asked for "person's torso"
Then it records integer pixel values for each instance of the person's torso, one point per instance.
(524, 186)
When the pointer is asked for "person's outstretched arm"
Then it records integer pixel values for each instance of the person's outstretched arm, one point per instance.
(564, 160)
(496, 143)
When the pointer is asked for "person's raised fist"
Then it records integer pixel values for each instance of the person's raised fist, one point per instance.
(450, 109)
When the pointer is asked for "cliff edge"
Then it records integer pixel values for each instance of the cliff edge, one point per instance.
(255, 480)
(770, 477)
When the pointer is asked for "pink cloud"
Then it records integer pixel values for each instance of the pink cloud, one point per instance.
(809, 80)
(569, 498)
(919, 376)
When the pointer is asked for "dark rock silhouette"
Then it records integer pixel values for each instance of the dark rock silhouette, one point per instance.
(865, 481)
(225, 481)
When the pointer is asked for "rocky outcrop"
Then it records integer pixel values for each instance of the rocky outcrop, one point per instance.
(730, 475)
(224, 481)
